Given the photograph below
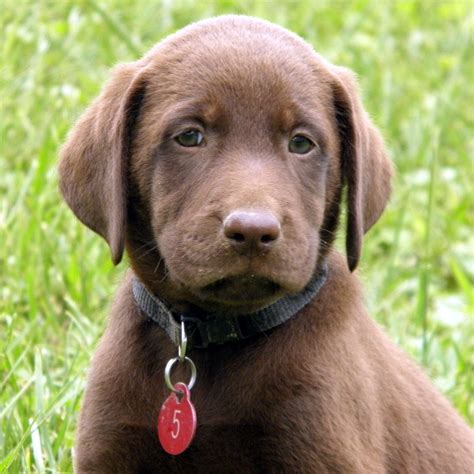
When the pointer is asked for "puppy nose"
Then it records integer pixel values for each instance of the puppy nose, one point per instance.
(252, 232)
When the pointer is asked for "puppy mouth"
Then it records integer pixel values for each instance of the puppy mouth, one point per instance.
(237, 289)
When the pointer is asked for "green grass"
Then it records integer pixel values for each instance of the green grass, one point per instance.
(415, 65)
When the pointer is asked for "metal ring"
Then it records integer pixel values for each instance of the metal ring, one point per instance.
(170, 365)
(183, 342)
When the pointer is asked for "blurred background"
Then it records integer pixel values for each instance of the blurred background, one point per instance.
(415, 63)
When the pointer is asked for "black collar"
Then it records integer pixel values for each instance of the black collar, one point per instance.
(204, 329)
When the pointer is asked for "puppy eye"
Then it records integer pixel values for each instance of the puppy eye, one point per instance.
(190, 138)
(300, 144)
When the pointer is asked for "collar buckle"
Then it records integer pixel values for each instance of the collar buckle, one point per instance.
(213, 331)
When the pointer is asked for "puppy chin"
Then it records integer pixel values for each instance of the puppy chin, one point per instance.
(249, 288)
(240, 285)
(229, 307)
(240, 294)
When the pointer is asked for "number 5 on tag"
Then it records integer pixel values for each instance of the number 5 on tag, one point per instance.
(177, 421)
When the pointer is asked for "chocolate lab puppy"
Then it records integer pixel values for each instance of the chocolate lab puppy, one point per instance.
(218, 161)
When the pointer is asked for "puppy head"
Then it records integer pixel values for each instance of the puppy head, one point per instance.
(219, 160)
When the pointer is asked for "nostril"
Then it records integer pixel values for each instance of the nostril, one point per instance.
(266, 239)
(237, 237)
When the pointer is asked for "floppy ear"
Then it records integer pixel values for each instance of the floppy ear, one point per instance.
(94, 159)
(366, 168)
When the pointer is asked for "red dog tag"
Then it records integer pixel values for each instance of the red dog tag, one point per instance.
(177, 421)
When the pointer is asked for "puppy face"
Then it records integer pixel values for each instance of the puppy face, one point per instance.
(242, 117)
(229, 145)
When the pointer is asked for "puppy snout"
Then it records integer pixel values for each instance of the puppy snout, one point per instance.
(252, 232)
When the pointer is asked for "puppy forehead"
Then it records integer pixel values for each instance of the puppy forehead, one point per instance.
(239, 58)
(231, 30)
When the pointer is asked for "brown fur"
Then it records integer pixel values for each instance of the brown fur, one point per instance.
(325, 392)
